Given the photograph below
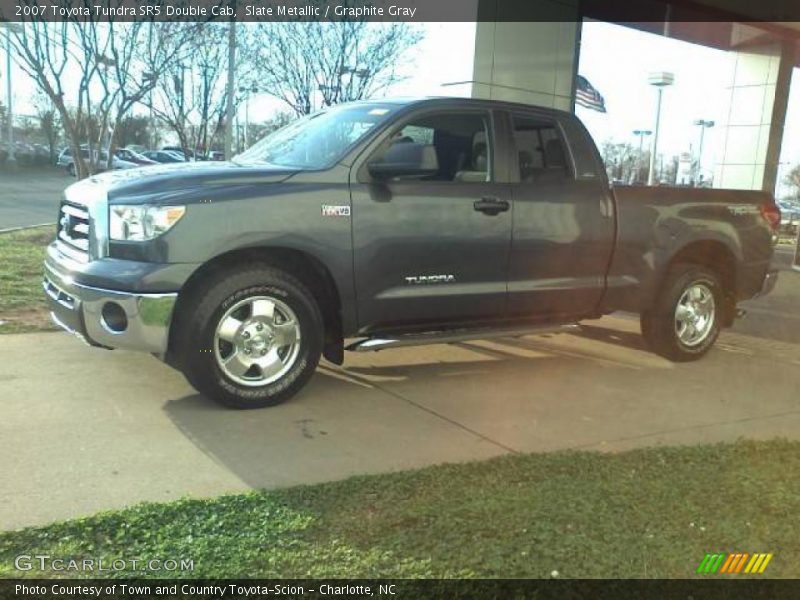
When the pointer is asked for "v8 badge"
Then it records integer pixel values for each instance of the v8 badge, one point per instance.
(329, 210)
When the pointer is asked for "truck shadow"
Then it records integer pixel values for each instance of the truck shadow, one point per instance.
(367, 418)
(627, 339)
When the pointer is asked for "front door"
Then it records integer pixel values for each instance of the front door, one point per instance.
(432, 247)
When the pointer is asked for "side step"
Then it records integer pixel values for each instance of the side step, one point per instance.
(373, 344)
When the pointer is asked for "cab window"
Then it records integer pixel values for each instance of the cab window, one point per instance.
(540, 149)
(458, 144)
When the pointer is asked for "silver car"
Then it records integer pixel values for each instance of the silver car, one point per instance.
(66, 160)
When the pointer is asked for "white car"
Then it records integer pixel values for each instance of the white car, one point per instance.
(790, 211)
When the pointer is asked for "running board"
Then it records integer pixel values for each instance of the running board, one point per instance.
(374, 344)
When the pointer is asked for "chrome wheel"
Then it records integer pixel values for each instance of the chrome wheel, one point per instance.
(257, 341)
(695, 315)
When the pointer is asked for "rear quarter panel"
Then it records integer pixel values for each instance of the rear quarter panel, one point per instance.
(656, 223)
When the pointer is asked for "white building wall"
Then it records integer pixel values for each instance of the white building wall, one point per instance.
(529, 62)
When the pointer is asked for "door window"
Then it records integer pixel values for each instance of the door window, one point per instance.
(460, 143)
(540, 149)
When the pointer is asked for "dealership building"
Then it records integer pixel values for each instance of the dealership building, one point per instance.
(528, 52)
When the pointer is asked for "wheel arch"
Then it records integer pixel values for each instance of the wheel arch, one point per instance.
(310, 270)
(716, 256)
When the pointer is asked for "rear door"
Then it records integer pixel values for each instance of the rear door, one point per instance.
(563, 233)
(433, 249)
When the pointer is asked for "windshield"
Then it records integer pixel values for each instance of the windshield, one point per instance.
(319, 140)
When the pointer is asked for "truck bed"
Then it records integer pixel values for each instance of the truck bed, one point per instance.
(654, 224)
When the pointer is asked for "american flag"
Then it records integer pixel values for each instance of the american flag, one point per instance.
(588, 97)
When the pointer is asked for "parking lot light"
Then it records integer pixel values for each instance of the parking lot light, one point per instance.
(702, 124)
(11, 160)
(660, 80)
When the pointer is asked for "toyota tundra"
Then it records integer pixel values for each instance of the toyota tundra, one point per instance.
(379, 224)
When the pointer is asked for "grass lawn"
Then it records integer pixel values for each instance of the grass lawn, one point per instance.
(645, 513)
(22, 303)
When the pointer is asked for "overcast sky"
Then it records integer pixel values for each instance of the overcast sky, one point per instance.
(615, 59)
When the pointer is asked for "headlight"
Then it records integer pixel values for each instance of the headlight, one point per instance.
(139, 223)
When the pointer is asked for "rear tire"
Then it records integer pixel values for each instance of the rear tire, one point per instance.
(686, 319)
(250, 338)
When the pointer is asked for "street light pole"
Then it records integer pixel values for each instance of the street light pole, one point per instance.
(660, 79)
(229, 100)
(247, 91)
(152, 127)
(11, 160)
(640, 133)
(702, 124)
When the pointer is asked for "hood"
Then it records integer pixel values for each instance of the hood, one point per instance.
(159, 183)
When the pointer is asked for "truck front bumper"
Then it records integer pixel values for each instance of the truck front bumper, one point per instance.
(110, 318)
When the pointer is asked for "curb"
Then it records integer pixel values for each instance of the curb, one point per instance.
(10, 229)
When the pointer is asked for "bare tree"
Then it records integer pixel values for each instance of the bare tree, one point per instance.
(793, 180)
(49, 123)
(264, 128)
(3, 115)
(623, 162)
(140, 54)
(130, 130)
(190, 97)
(47, 52)
(95, 71)
(131, 57)
(336, 62)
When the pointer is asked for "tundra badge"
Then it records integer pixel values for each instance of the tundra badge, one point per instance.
(417, 279)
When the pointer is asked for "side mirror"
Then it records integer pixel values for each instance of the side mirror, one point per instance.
(405, 159)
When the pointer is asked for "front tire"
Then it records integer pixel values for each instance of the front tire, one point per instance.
(686, 319)
(251, 338)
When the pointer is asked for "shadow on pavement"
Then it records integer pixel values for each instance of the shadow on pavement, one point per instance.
(341, 424)
(634, 341)
(408, 408)
(367, 417)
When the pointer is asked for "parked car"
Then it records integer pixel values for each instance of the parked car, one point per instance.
(160, 156)
(134, 157)
(66, 160)
(26, 154)
(790, 210)
(179, 155)
(215, 155)
(186, 154)
(391, 222)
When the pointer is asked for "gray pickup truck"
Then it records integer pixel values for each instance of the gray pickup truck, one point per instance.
(394, 223)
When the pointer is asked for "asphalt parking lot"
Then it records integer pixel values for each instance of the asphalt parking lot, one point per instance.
(31, 197)
(83, 429)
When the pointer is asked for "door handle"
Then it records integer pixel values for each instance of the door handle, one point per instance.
(491, 206)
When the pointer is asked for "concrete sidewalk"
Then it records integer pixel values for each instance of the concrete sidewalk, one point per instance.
(83, 429)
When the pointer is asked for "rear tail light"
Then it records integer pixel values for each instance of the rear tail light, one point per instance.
(772, 215)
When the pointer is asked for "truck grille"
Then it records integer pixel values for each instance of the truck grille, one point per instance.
(73, 231)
